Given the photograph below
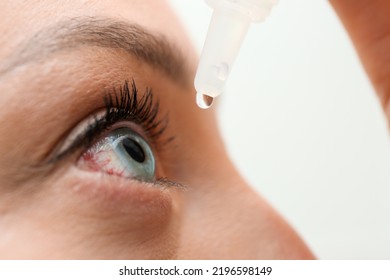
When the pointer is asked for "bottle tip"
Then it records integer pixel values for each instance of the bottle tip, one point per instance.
(204, 101)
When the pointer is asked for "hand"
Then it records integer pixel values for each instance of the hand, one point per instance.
(368, 24)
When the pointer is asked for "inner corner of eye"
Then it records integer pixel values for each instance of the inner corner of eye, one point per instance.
(121, 152)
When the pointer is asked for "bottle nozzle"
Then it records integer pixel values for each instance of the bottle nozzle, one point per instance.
(228, 27)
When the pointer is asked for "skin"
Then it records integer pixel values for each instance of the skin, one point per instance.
(64, 210)
(368, 24)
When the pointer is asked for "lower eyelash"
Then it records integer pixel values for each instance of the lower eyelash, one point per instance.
(165, 182)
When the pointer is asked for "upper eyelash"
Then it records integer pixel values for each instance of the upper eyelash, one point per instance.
(124, 104)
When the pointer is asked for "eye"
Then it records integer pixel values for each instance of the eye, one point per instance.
(121, 152)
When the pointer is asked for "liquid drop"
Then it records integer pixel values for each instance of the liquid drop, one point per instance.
(204, 101)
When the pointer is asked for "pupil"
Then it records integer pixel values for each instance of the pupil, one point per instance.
(134, 150)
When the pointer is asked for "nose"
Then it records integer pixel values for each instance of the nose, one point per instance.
(224, 218)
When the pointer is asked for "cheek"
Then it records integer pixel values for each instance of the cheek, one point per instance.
(84, 215)
(116, 200)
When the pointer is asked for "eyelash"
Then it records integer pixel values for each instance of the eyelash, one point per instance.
(124, 104)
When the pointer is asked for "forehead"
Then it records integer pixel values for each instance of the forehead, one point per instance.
(20, 19)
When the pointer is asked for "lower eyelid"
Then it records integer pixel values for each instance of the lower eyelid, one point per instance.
(116, 194)
(161, 182)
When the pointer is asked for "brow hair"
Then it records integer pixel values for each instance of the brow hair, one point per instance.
(153, 49)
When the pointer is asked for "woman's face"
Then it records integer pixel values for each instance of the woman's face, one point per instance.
(104, 153)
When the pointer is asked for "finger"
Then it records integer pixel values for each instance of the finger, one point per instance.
(368, 24)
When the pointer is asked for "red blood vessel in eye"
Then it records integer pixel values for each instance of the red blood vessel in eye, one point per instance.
(98, 163)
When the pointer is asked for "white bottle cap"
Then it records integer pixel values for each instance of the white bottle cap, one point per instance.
(227, 30)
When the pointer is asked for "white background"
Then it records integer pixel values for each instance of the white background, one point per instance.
(302, 123)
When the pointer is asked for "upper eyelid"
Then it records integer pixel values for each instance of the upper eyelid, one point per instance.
(75, 140)
(76, 135)
(123, 104)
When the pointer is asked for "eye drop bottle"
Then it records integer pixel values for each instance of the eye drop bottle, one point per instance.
(229, 24)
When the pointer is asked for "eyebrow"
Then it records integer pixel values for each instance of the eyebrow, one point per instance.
(153, 49)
